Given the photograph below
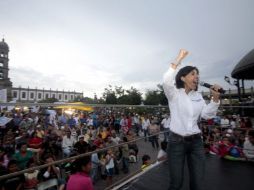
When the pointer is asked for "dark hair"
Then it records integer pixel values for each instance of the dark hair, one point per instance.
(164, 145)
(20, 145)
(77, 165)
(30, 161)
(145, 158)
(12, 162)
(182, 73)
(251, 133)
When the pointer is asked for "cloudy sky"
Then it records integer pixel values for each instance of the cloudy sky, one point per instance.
(86, 45)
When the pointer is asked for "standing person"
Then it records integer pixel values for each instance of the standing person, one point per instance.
(81, 179)
(165, 124)
(145, 124)
(186, 106)
(153, 131)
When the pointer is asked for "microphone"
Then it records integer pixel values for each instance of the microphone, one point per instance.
(220, 90)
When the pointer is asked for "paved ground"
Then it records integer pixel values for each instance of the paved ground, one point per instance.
(220, 175)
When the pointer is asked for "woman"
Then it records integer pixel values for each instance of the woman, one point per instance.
(186, 106)
(23, 156)
(81, 179)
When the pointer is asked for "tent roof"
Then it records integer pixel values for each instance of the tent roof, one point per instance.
(245, 68)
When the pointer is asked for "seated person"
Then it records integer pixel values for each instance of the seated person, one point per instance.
(31, 177)
(228, 150)
(16, 182)
(146, 159)
(81, 146)
(51, 172)
(23, 155)
(248, 146)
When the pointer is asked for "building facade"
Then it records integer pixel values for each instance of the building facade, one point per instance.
(28, 94)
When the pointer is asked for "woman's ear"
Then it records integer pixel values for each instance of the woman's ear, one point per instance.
(183, 79)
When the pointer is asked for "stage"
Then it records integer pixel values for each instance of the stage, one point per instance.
(220, 175)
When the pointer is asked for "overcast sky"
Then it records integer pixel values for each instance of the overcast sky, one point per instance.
(87, 45)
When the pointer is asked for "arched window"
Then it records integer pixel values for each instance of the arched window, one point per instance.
(1, 64)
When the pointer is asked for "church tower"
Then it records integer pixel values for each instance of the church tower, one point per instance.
(5, 82)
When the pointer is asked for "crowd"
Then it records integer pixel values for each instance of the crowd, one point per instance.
(230, 137)
(29, 139)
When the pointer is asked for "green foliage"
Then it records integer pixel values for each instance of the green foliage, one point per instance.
(118, 95)
(49, 100)
(156, 97)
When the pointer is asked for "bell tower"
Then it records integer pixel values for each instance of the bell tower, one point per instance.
(5, 82)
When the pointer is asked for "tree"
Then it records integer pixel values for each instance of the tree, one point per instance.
(152, 97)
(49, 100)
(156, 97)
(109, 95)
(132, 97)
(162, 97)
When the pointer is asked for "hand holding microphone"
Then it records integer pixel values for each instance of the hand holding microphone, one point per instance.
(215, 89)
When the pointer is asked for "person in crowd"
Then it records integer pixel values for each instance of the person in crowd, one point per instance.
(186, 106)
(40, 131)
(224, 122)
(9, 142)
(81, 180)
(166, 125)
(162, 154)
(51, 172)
(125, 155)
(248, 123)
(109, 165)
(146, 161)
(95, 164)
(23, 155)
(153, 131)
(4, 159)
(242, 123)
(81, 146)
(233, 123)
(248, 146)
(15, 182)
(145, 124)
(34, 142)
(31, 177)
(67, 144)
(137, 124)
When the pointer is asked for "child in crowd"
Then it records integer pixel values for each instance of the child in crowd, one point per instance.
(109, 160)
(31, 179)
(145, 162)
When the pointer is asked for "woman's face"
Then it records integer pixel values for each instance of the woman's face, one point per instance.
(191, 80)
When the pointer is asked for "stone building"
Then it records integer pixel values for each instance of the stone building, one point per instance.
(28, 94)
